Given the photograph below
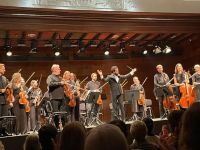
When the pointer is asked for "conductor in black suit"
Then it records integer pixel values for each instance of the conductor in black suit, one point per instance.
(114, 80)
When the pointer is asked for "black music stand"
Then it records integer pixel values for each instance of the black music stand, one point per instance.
(92, 99)
(132, 96)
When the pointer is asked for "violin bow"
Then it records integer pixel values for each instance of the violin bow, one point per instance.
(144, 81)
(40, 80)
(29, 78)
(83, 80)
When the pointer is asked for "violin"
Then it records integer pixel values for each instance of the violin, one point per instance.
(10, 97)
(141, 99)
(23, 100)
(69, 93)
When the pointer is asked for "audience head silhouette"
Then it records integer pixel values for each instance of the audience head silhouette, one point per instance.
(106, 137)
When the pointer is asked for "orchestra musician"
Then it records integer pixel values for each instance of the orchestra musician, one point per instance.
(56, 91)
(179, 79)
(34, 93)
(93, 86)
(196, 82)
(161, 90)
(3, 96)
(68, 92)
(75, 113)
(18, 108)
(137, 106)
(114, 80)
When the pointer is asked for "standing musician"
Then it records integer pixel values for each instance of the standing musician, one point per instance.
(116, 91)
(56, 91)
(93, 86)
(20, 104)
(34, 94)
(179, 79)
(68, 93)
(138, 106)
(75, 88)
(196, 82)
(161, 90)
(3, 96)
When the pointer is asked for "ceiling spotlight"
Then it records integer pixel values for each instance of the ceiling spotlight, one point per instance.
(9, 53)
(33, 51)
(106, 53)
(121, 51)
(57, 53)
(144, 52)
(157, 50)
(167, 50)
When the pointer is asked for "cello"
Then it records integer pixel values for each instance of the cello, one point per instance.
(187, 97)
(169, 102)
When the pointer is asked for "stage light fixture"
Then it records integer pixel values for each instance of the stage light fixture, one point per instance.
(9, 53)
(157, 50)
(106, 53)
(121, 51)
(167, 50)
(145, 52)
(57, 53)
(33, 47)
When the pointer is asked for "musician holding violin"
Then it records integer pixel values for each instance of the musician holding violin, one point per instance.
(196, 82)
(93, 86)
(137, 107)
(75, 87)
(161, 83)
(35, 94)
(3, 95)
(56, 91)
(21, 103)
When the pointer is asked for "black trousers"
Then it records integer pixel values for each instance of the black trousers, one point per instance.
(21, 118)
(3, 110)
(75, 111)
(161, 93)
(118, 107)
(58, 105)
(197, 93)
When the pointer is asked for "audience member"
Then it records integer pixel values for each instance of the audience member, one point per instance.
(73, 137)
(174, 121)
(151, 137)
(48, 137)
(138, 132)
(121, 125)
(190, 129)
(1, 146)
(164, 134)
(32, 142)
(106, 137)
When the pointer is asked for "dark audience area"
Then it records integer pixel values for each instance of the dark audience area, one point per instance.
(180, 132)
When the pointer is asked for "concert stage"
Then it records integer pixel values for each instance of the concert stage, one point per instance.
(16, 142)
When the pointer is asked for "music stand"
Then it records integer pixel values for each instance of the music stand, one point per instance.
(132, 96)
(92, 98)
